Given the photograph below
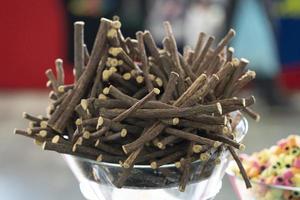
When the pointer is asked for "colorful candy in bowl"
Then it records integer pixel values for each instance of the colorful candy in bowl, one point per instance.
(274, 172)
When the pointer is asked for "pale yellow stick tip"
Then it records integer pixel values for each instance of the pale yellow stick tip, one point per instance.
(153, 165)
(242, 147)
(123, 132)
(156, 91)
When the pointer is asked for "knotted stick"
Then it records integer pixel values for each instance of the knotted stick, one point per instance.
(144, 60)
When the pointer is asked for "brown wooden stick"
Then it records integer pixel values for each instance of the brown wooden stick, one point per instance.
(54, 84)
(188, 70)
(166, 160)
(190, 136)
(98, 85)
(116, 93)
(229, 54)
(151, 45)
(64, 113)
(78, 48)
(199, 43)
(173, 48)
(224, 139)
(60, 71)
(166, 140)
(144, 60)
(240, 165)
(200, 94)
(252, 113)
(86, 54)
(127, 112)
(108, 148)
(197, 65)
(115, 136)
(239, 68)
(244, 80)
(168, 113)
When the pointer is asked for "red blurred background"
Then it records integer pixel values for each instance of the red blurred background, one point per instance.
(34, 34)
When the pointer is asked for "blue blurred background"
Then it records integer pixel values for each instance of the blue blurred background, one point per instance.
(34, 33)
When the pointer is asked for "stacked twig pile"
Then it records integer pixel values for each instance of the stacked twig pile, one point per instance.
(134, 103)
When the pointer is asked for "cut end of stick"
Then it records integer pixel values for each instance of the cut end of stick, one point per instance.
(244, 102)
(114, 51)
(257, 118)
(159, 82)
(43, 145)
(74, 148)
(100, 122)
(225, 130)
(55, 139)
(126, 165)
(126, 76)
(151, 77)
(43, 124)
(245, 61)
(24, 115)
(123, 132)
(231, 49)
(219, 107)
(160, 145)
(61, 89)
(58, 61)
(175, 121)
(204, 156)
(31, 124)
(97, 143)
(153, 165)
(197, 148)
(116, 24)
(102, 97)
(242, 147)
(216, 77)
(232, 32)
(43, 133)
(99, 158)
(106, 90)
(156, 91)
(86, 135)
(252, 74)
(48, 84)
(78, 122)
(112, 70)
(217, 144)
(84, 104)
(139, 79)
(124, 149)
(79, 23)
(217, 161)
(177, 164)
(120, 62)
(106, 74)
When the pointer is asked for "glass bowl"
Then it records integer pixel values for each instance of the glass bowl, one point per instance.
(96, 178)
(261, 191)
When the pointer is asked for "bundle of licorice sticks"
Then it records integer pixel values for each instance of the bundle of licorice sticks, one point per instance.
(135, 103)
